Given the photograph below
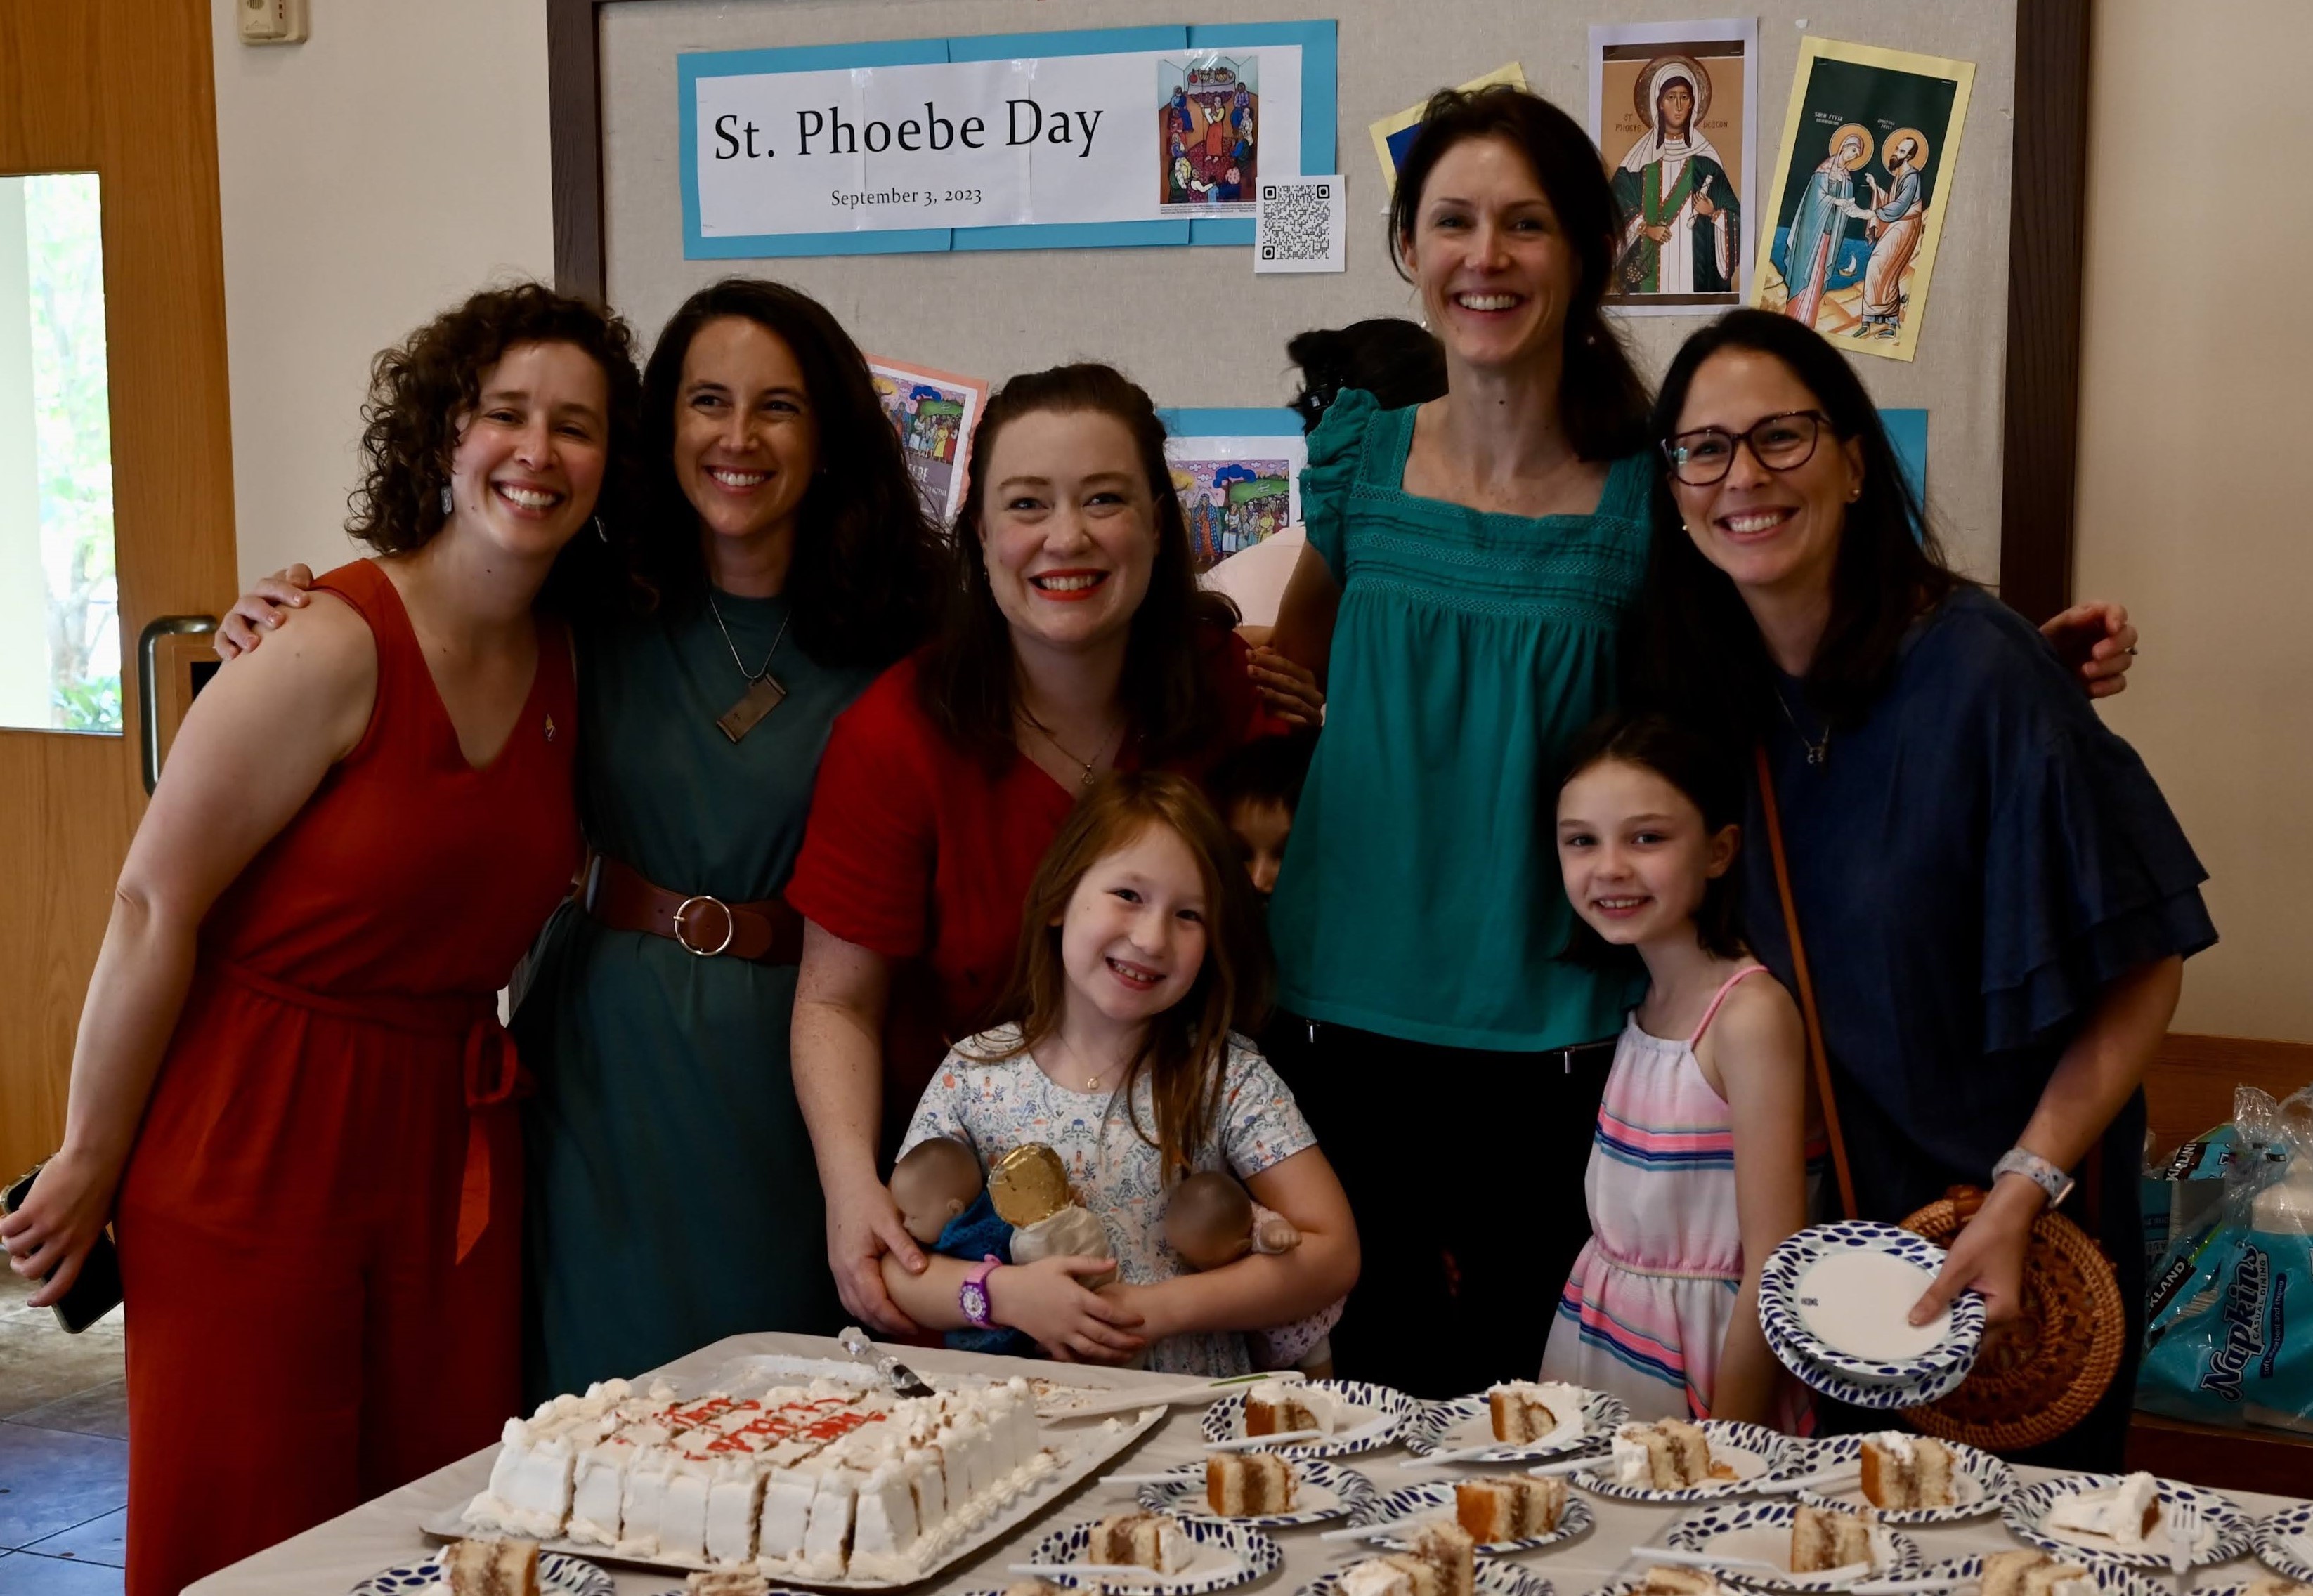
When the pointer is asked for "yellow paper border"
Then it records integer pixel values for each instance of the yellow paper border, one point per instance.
(1811, 50)
(1513, 75)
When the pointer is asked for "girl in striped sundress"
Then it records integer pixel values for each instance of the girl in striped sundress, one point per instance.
(1699, 1167)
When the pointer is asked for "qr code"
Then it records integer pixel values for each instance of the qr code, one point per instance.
(1297, 226)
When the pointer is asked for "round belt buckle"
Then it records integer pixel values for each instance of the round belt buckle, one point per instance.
(682, 935)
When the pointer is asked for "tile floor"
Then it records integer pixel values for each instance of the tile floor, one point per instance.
(64, 1452)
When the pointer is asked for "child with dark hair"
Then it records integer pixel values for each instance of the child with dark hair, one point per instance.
(1699, 1165)
(1256, 789)
(1396, 361)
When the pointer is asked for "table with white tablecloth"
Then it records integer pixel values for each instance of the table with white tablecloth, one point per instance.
(332, 1558)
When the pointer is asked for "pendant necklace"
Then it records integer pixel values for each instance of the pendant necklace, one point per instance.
(1092, 1082)
(1069, 754)
(764, 694)
(1818, 749)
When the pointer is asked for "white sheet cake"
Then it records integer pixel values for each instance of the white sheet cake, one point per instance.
(817, 1481)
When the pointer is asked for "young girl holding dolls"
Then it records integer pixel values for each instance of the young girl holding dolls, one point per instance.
(1699, 1169)
(1141, 956)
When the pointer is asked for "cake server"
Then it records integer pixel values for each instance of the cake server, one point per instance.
(902, 1380)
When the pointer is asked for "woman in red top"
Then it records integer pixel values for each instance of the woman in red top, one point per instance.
(319, 1220)
(1079, 642)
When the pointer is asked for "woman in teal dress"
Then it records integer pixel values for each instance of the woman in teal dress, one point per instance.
(1471, 564)
(673, 1197)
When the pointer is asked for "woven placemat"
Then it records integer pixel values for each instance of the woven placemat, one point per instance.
(2050, 1367)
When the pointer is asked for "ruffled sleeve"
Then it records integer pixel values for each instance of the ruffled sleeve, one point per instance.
(1334, 450)
(2087, 873)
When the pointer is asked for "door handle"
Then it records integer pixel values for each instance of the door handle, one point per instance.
(148, 682)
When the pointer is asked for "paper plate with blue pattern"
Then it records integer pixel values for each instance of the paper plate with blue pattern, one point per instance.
(1321, 1491)
(1748, 1454)
(1836, 1298)
(1434, 1499)
(559, 1574)
(1462, 1422)
(1763, 1531)
(1377, 1414)
(2112, 1579)
(1493, 1579)
(2285, 1542)
(1227, 1554)
(2226, 1531)
(1981, 1483)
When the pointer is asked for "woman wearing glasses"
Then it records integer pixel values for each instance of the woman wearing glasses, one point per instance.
(1471, 564)
(1994, 901)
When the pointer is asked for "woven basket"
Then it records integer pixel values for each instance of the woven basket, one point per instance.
(2054, 1363)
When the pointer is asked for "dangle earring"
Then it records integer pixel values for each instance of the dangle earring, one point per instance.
(600, 535)
(449, 499)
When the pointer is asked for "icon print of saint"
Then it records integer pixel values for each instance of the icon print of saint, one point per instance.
(1826, 205)
(1681, 219)
(1897, 218)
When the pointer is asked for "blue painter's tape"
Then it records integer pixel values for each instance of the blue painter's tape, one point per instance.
(767, 246)
(1320, 84)
(1234, 422)
(1074, 235)
(1907, 430)
(1320, 80)
(1068, 41)
(817, 57)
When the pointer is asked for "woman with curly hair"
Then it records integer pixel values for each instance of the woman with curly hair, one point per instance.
(290, 1089)
(784, 558)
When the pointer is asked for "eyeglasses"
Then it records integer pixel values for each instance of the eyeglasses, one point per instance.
(1779, 443)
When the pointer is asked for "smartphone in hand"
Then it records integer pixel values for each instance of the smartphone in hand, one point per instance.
(97, 1292)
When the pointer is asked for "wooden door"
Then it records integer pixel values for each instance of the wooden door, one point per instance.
(122, 88)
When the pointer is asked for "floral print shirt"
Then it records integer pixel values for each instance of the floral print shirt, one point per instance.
(995, 1107)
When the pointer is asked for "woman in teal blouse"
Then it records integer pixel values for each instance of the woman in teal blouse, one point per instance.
(1470, 566)
(1469, 563)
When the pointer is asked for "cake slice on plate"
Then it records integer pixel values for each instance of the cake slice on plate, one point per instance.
(1667, 1579)
(1396, 1573)
(1280, 1406)
(1447, 1550)
(1522, 1410)
(1141, 1540)
(1669, 1456)
(1903, 1472)
(488, 1567)
(1821, 1539)
(2124, 1514)
(2034, 1574)
(1238, 1483)
(1514, 1508)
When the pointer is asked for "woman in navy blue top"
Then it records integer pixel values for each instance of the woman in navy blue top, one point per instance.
(1994, 898)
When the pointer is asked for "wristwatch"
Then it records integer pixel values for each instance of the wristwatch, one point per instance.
(972, 1295)
(2047, 1177)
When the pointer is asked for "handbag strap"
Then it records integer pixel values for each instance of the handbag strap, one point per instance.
(1817, 1056)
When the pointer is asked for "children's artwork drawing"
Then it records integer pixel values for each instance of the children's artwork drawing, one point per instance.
(1208, 133)
(1862, 191)
(1672, 110)
(933, 413)
(1235, 491)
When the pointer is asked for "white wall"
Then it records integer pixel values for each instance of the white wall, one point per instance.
(2193, 457)
(386, 167)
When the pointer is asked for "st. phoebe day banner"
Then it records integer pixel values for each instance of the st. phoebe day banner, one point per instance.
(1101, 137)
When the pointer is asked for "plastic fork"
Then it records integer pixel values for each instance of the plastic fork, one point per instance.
(2184, 1540)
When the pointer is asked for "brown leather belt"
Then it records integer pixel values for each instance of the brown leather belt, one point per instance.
(621, 898)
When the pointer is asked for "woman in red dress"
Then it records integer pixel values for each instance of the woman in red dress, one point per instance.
(1079, 642)
(300, 1100)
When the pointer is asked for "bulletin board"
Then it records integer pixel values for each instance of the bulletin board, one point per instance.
(1998, 360)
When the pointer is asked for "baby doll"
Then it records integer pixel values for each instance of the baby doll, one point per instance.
(1030, 1189)
(944, 1204)
(1211, 1221)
